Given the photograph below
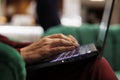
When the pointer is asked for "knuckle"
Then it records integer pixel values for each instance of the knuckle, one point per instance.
(47, 50)
(61, 40)
(60, 35)
(45, 39)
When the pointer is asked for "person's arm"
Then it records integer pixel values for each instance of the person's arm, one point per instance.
(43, 48)
(16, 45)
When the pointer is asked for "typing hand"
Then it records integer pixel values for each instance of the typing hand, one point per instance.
(48, 46)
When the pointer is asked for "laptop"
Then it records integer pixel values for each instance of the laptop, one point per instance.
(92, 50)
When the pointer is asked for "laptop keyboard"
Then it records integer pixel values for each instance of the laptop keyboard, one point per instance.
(78, 51)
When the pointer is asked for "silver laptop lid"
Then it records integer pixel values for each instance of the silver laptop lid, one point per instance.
(104, 26)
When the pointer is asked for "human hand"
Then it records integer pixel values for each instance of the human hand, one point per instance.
(48, 46)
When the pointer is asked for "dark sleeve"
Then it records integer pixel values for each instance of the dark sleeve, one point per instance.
(16, 45)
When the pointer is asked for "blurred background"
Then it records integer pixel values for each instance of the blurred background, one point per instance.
(71, 12)
(36, 16)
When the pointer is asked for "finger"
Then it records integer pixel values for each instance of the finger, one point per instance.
(68, 38)
(61, 42)
(55, 35)
(61, 49)
(73, 39)
(61, 36)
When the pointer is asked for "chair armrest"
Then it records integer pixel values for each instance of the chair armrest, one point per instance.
(12, 66)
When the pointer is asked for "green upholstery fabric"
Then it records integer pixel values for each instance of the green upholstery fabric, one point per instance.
(78, 32)
(88, 33)
(118, 74)
(12, 66)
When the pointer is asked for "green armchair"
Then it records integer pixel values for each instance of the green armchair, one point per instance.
(12, 66)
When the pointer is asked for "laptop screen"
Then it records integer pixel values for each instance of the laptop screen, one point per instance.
(105, 22)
